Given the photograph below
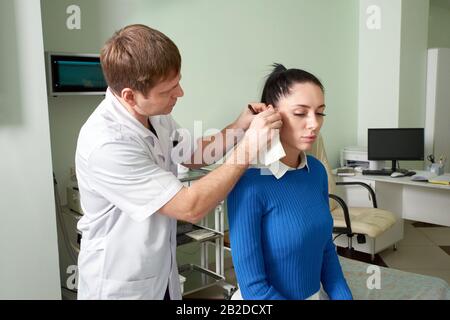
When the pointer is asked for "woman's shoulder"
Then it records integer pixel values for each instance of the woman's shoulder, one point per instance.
(251, 180)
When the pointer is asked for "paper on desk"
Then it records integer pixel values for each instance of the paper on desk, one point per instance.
(423, 176)
(442, 179)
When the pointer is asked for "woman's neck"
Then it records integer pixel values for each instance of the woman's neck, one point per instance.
(292, 158)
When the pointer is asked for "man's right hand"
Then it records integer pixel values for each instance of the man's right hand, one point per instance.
(257, 137)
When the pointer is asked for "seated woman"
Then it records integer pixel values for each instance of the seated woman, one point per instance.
(281, 229)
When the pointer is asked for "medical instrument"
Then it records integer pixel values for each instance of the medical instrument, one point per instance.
(251, 109)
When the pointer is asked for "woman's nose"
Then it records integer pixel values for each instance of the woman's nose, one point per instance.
(313, 122)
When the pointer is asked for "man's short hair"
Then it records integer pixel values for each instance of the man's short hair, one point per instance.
(138, 57)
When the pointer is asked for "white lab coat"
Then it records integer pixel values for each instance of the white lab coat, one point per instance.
(125, 175)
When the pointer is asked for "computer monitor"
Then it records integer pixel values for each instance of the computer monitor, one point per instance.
(75, 74)
(395, 144)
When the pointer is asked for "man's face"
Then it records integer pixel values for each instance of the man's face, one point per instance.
(161, 98)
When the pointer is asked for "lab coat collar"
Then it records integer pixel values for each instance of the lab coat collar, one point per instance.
(125, 118)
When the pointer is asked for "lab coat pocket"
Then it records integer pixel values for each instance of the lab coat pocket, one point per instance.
(129, 290)
(90, 268)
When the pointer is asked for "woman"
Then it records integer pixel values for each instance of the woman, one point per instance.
(281, 229)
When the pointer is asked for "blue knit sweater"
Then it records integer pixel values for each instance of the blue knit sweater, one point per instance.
(281, 235)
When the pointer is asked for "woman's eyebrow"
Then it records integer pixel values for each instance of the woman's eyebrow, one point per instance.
(309, 107)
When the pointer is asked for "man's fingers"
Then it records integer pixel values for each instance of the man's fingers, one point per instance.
(273, 117)
(276, 125)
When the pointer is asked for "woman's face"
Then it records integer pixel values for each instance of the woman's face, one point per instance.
(302, 115)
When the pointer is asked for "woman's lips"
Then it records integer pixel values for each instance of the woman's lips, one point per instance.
(309, 138)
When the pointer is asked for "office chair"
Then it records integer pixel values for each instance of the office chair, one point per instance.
(351, 221)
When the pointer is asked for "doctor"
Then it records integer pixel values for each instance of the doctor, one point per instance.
(130, 195)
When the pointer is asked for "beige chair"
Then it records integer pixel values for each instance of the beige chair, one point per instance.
(351, 221)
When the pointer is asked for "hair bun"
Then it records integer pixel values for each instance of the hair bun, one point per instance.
(278, 67)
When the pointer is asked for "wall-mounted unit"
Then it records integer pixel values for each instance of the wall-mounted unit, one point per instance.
(74, 74)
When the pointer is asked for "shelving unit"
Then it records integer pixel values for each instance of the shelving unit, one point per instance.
(199, 277)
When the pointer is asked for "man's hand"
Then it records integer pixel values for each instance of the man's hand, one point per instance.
(246, 117)
(257, 137)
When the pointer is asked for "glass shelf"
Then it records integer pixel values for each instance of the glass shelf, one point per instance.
(183, 238)
(197, 278)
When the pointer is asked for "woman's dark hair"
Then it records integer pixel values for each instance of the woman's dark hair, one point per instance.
(280, 81)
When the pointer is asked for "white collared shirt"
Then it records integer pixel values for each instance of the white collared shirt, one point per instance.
(279, 169)
(125, 175)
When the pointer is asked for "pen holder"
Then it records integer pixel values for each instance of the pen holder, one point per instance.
(436, 168)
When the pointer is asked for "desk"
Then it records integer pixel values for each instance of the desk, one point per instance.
(412, 200)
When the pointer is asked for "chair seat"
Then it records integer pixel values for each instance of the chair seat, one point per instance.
(369, 221)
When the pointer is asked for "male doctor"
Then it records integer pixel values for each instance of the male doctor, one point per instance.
(130, 195)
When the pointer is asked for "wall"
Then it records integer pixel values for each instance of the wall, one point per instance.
(227, 49)
(413, 63)
(439, 26)
(392, 66)
(28, 244)
(379, 68)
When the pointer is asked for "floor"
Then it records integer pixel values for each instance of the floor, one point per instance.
(425, 249)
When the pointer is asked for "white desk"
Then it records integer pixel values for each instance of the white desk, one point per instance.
(412, 200)
(419, 201)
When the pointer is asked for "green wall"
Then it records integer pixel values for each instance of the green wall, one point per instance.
(413, 63)
(439, 26)
(227, 49)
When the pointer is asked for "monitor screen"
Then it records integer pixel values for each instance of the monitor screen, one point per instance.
(395, 144)
(76, 74)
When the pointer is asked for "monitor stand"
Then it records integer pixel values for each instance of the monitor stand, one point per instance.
(395, 169)
(394, 165)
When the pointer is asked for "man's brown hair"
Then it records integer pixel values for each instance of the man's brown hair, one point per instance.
(138, 57)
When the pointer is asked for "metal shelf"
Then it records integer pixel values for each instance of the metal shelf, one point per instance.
(183, 238)
(198, 278)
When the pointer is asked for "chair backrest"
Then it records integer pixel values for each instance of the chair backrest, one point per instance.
(318, 151)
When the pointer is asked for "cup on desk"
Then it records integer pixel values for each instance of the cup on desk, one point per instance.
(436, 168)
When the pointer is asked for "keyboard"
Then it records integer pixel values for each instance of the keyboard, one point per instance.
(377, 172)
(387, 172)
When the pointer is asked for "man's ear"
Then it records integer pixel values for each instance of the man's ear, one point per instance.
(128, 96)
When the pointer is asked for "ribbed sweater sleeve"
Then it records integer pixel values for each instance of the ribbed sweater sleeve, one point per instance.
(332, 277)
(245, 220)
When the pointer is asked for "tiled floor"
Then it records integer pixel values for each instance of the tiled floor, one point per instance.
(425, 249)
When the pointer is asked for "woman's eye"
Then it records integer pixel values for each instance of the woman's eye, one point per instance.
(304, 114)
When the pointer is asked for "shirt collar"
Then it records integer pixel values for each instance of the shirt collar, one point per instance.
(279, 169)
(125, 118)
